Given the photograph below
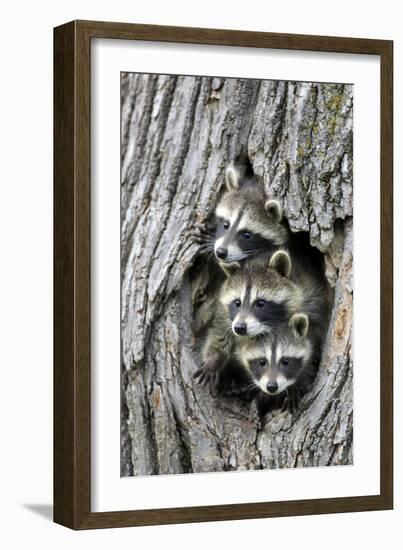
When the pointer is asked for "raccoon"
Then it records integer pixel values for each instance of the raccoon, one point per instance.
(246, 222)
(283, 364)
(268, 290)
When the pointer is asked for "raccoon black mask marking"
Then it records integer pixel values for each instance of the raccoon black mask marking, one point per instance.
(246, 222)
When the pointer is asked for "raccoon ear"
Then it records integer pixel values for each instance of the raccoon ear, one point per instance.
(232, 178)
(274, 210)
(281, 262)
(229, 269)
(299, 323)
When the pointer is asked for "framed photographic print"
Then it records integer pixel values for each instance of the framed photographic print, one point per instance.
(222, 275)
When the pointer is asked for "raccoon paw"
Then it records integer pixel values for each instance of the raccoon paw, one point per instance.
(291, 400)
(200, 234)
(209, 374)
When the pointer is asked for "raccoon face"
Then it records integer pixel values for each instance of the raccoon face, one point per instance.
(246, 222)
(276, 362)
(260, 296)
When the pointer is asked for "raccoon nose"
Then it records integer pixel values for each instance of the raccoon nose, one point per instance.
(240, 327)
(221, 253)
(272, 387)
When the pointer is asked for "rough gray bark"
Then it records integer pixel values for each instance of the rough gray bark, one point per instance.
(178, 135)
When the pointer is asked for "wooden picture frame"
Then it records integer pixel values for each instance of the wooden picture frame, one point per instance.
(72, 269)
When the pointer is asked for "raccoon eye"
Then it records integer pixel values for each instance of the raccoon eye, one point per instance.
(237, 303)
(260, 303)
(246, 235)
(262, 362)
(285, 361)
(226, 225)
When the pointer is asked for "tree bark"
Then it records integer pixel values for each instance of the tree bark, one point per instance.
(178, 135)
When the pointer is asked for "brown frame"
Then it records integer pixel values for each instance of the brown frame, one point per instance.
(72, 320)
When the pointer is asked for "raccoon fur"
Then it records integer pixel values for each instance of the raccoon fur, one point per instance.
(268, 290)
(283, 364)
(246, 222)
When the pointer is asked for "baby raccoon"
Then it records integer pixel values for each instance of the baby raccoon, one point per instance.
(247, 222)
(252, 301)
(268, 290)
(282, 365)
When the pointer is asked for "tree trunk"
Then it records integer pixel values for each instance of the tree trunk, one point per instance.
(178, 135)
